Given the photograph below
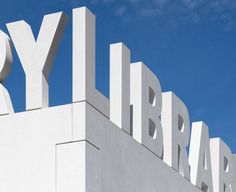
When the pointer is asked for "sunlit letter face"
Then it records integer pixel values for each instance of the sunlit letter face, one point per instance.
(199, 157)
(120, 86)
(5, 68)
(175, 123)
(84, 86)
(146, 102)
(37, 56)
(222, 166)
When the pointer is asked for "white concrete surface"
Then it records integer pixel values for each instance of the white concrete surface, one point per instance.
(77, 167)
(76, 147)
(45, 150)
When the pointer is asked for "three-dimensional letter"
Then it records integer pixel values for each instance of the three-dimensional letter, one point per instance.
(5, 67)
(176, 132)
(84, 87)
(120, 86)
(222, 166)
(146, 102)
(37, 56)
(199, 157)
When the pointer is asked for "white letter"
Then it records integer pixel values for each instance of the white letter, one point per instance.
(222, 166)
(84, 88)
(37, 56)
(199, 157)
(175, 122)
(234, 173)
(120, 86)
(5, 68)
(146, 101)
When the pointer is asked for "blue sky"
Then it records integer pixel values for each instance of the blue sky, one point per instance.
(189, 44)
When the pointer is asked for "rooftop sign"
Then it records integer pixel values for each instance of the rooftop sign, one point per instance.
(158, 122)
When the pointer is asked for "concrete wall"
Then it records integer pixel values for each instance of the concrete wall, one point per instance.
(76, 148)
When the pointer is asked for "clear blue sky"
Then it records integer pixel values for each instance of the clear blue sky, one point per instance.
(189, 44)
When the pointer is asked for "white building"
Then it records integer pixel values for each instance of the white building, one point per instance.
(133, 142)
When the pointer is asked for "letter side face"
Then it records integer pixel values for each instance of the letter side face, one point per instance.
(234, 172)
